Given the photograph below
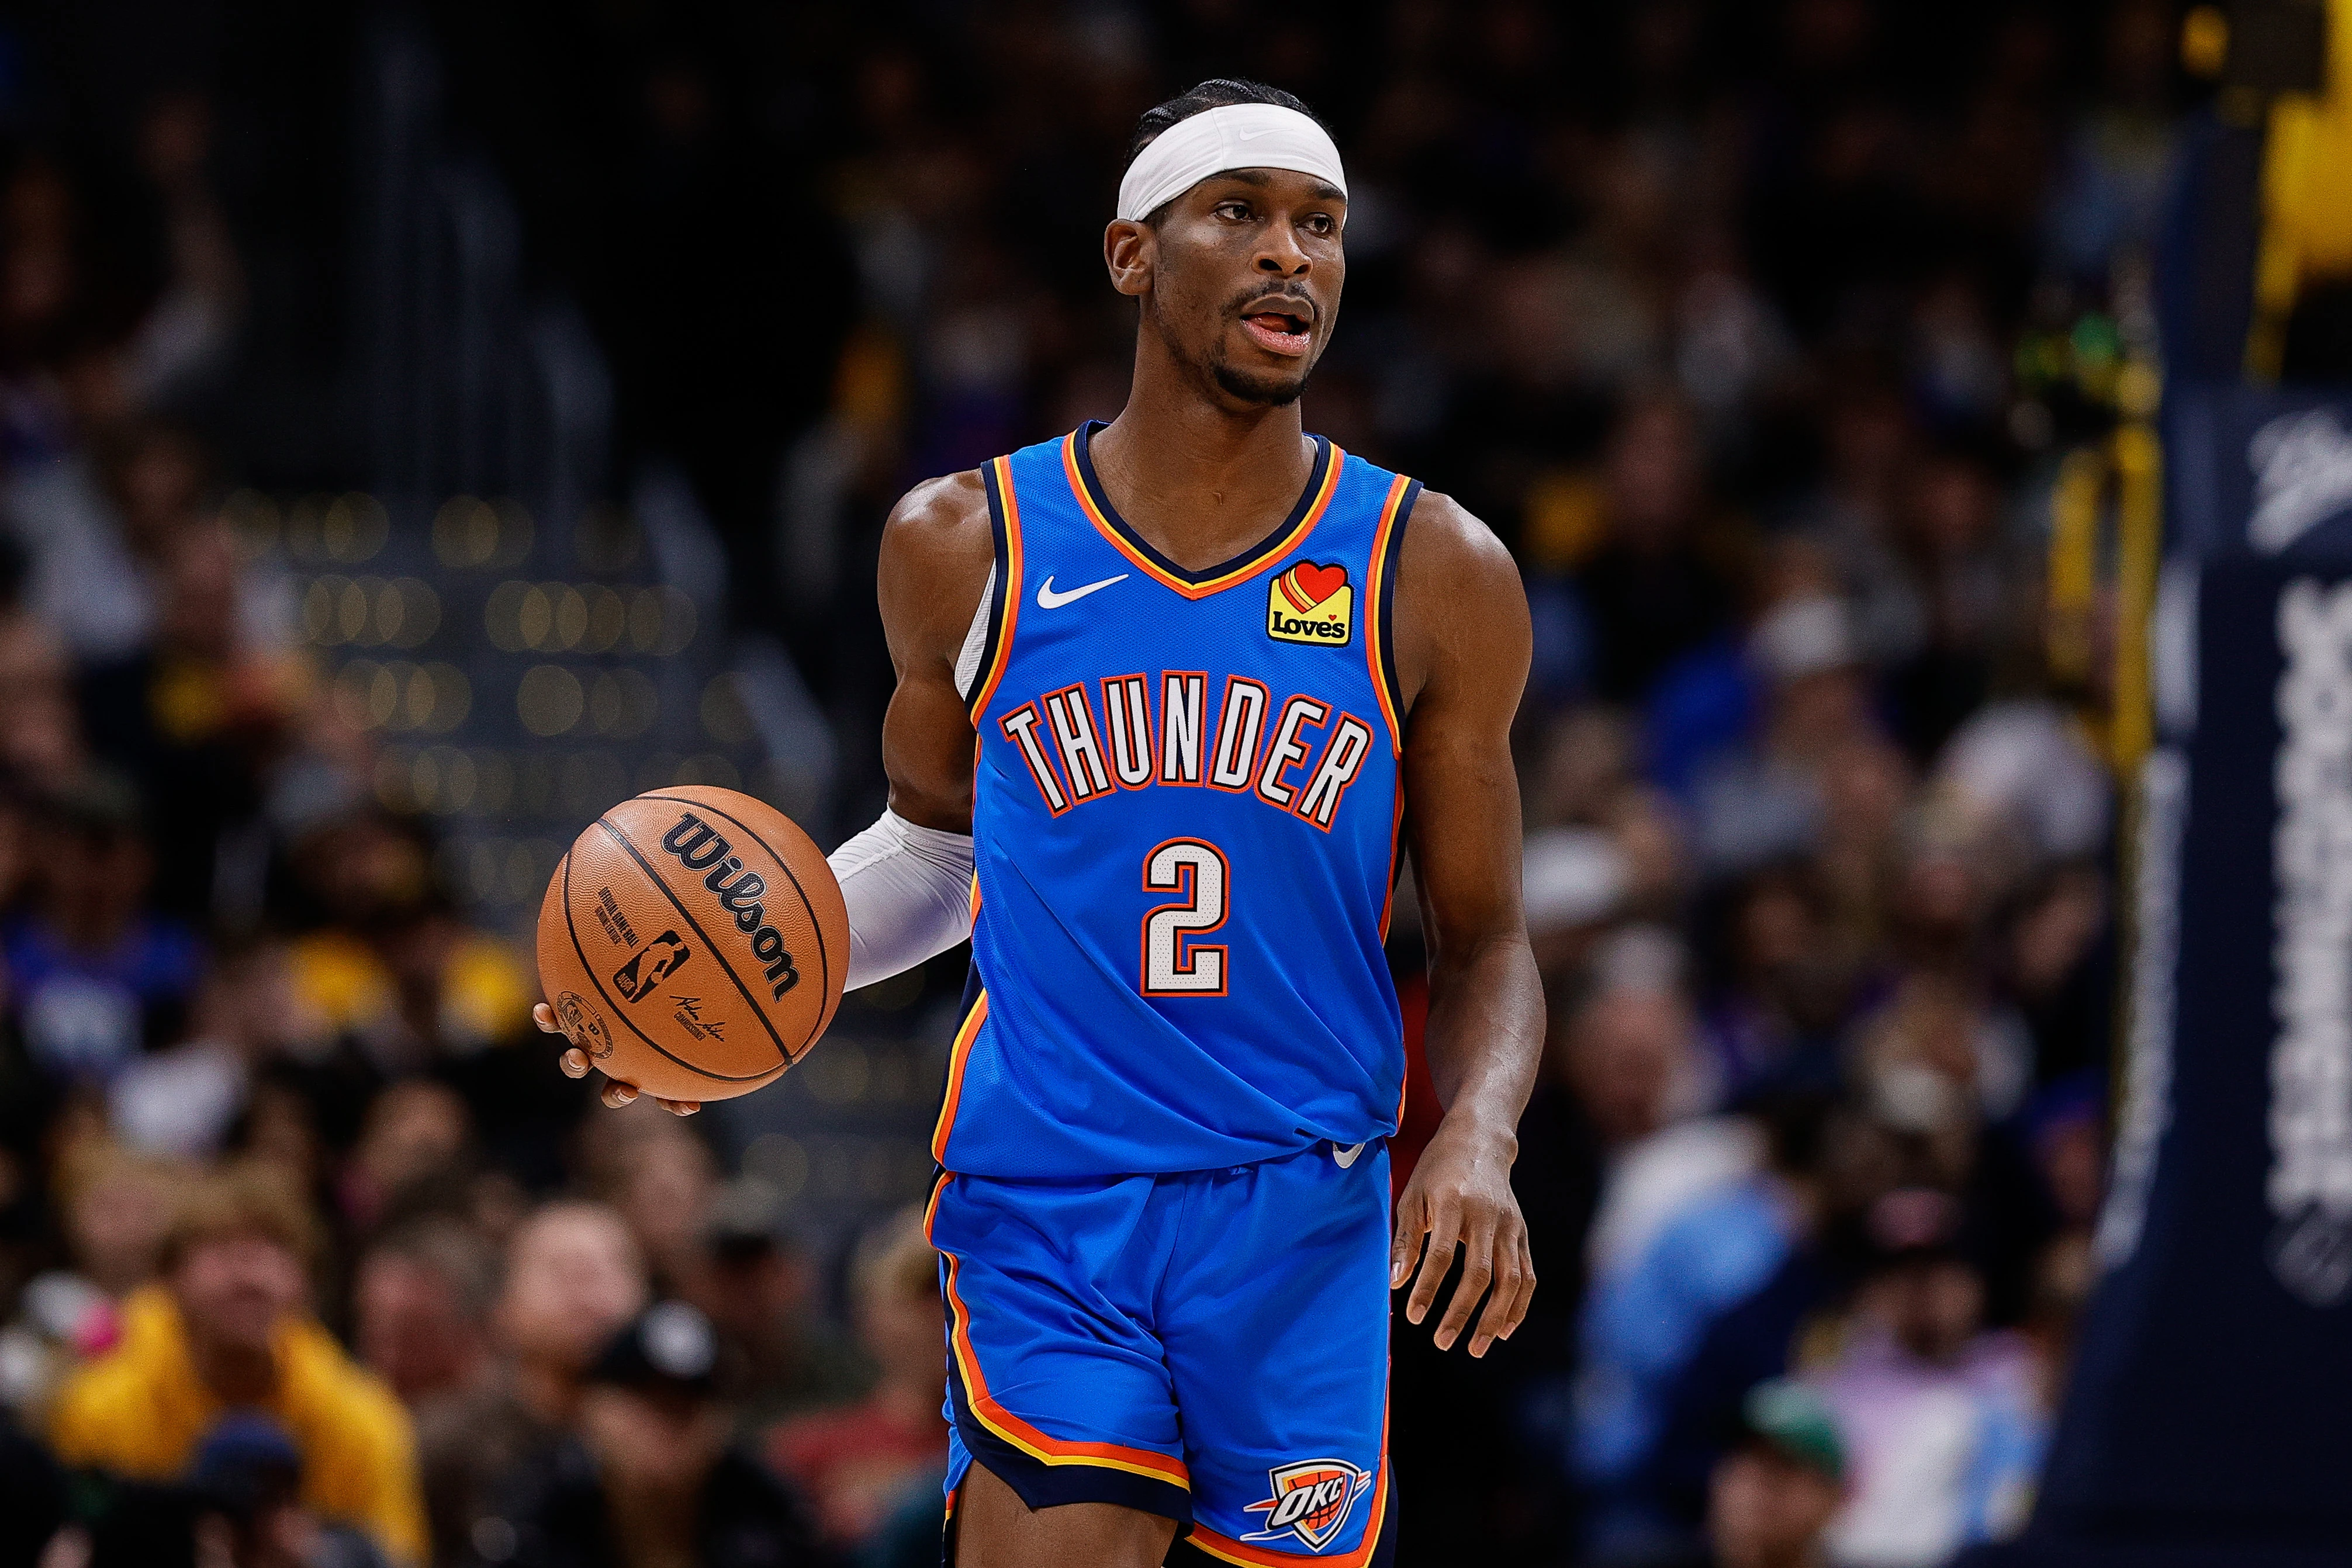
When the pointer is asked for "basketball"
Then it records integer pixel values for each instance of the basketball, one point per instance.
(693, 943)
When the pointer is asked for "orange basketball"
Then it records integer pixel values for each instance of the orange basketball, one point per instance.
(693, 943)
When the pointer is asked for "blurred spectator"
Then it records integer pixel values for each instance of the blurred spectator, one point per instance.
(778, 1353)
(199, 712)
(1785, 982)
(421, 1304)
(1765, 802)
(1645, 1320)
(40, 734)
(1949, 529)
(225, 1331)
(1573, 880)
(249, 1507)
(417, 1131)
(99, 524)
(186, 1099)
(1772, 1496)
(1939, 1413)
(651, 1435)
(118, 1208)
(663, 1187)
(860, 1465)
(97, 980)
(1662, 585)
(574, 1275)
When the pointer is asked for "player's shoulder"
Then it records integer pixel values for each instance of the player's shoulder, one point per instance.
(946, 516)
(938, 548)
(1461, 609)
(1449, 549)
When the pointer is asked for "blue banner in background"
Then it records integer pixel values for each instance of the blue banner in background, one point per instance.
(2210, 1415)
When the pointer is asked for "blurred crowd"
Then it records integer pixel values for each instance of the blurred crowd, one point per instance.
(1757, 330)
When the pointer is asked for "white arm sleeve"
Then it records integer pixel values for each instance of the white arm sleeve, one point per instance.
(909, 890)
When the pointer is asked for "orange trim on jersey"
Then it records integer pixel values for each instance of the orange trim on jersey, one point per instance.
(1020, 1434)
(1232, 1550)
(1376, 633)
(1257, 563)
(985, 687)
(958, 1055)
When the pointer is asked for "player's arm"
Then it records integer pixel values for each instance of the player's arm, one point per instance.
(1463, 644)
(905, 882)
(937, 549)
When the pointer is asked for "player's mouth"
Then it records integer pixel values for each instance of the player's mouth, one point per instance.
(1280, 331)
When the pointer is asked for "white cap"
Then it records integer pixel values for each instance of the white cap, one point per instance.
(1804, 637)
(1569, 877)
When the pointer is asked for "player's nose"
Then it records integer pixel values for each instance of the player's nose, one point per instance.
(1281, 254)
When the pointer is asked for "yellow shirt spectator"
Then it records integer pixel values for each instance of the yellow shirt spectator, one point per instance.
(224, 1332)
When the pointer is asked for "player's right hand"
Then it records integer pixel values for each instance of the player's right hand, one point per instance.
(615, 1094)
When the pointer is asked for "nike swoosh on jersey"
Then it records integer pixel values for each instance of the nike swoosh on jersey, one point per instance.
(1049, 600)
(1343, 1158)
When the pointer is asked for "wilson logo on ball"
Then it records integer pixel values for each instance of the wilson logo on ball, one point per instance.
(699, 847)
(664, 954)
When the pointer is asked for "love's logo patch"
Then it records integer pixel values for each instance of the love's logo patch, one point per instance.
(1311, 602)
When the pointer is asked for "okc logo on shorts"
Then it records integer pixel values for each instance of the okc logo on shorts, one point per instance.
(1311, 1500)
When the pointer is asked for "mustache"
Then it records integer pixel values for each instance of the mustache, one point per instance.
(1290, 297)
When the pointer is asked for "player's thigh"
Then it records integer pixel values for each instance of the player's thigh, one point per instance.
(1276, 1332)
(994, 1528)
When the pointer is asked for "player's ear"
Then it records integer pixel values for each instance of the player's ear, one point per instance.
(1129, 251)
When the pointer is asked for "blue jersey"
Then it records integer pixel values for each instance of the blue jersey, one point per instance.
(1185, 818)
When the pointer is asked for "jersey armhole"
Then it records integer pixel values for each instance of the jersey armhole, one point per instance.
(1001, 601)
(1388, 550)
(975, 640)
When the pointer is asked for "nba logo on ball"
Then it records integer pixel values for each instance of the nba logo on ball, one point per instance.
(1311, 1500)
(661, 957)
(1311, 603)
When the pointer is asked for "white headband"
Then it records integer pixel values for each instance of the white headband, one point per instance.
(1238, 136)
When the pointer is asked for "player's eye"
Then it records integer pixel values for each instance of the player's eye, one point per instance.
(1236, 212)
(1321, 223)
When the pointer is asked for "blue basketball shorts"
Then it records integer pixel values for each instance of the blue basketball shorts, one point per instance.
(1210, 1347)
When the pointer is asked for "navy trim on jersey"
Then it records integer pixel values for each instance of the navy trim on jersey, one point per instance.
(1136, 542)
(1386, 609)
(993, 644)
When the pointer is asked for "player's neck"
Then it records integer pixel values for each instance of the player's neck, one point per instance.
(1201, 482)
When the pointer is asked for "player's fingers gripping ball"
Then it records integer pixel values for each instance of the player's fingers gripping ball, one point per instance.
(693, 944)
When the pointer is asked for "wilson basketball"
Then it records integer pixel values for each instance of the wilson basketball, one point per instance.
(693, 943)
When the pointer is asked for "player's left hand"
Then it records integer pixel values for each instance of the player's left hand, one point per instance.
(615, 1094)
(1460, 1195)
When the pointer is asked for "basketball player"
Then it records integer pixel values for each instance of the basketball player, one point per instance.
(1219, 671)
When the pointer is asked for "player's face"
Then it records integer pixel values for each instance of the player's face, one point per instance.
(1244, 279)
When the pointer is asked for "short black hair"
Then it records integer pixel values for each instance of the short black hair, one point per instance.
(1217, 92)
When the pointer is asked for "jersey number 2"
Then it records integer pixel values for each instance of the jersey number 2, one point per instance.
(1174, 963)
